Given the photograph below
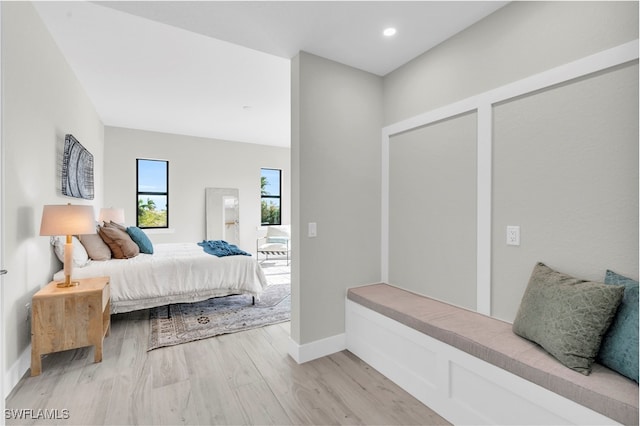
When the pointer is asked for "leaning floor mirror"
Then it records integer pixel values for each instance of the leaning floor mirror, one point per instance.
(222, 211)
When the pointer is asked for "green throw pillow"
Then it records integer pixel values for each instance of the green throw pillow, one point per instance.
(619, 348)
(140, 238)
(567, 316)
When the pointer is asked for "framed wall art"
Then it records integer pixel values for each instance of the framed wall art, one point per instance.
(77, 170)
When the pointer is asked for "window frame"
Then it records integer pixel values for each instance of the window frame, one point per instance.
(276, 197)
(157, 193)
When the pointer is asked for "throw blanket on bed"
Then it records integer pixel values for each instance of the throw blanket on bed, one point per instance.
(222, 248)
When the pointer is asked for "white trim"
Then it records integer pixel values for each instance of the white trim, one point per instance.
(384, 210)
(483, 214)
(579, 68)
(317, 349)
(159, 230)
(483, 104)
(442, 113)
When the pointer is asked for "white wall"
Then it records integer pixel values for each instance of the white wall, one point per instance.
(194, 164)
(337, 116)
(42, 101)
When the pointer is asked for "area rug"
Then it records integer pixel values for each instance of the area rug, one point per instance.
(222, 315)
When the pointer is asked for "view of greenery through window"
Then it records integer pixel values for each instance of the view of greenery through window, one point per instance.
(153, 194)
(270, 183)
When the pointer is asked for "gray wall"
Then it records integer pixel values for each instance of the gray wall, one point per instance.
(337, 116)
(42, 101)
(565, 160)
(518, 40)
(432, 219)
(566, 171)
(194, 164)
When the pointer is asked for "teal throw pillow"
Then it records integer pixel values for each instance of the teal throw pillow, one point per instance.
(619, 348)
(567, 316)
(141, 239)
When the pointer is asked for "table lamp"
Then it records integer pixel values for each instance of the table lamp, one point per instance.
(67, 220)
(111, 214)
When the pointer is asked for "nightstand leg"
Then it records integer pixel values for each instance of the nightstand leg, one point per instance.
(36, 363)
(98, 352)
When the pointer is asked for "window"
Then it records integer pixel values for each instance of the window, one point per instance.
(270, 183)
(153, 193)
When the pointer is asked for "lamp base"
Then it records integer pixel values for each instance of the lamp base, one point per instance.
(67, 282)
(63, 284)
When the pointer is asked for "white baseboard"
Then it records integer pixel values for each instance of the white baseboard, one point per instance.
(17, 370)
(317, 349)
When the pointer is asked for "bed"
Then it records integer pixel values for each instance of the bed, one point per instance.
(174, 273)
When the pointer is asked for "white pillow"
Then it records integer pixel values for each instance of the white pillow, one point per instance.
(279, 231)
(80, 256)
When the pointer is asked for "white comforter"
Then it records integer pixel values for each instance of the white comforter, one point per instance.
(175, 273)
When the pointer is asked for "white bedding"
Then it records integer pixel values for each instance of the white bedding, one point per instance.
(175, 273)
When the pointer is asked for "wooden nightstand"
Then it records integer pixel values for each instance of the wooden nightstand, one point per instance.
(69, 318)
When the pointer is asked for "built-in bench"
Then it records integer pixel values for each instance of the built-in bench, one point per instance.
(472, 369)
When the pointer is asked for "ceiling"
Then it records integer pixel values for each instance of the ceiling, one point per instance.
(221, 69)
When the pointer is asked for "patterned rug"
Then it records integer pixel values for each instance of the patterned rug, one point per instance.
(223, 315)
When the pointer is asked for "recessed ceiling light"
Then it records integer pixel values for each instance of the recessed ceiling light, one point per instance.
(389, 31)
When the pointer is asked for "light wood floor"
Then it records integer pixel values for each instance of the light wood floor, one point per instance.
(241, 378)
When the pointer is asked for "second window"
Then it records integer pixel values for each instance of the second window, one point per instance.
(270, 190)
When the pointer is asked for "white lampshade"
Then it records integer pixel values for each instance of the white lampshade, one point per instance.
(67, 219)
(111, 214)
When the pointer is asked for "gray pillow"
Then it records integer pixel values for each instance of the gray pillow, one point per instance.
(567, 316)
(96, 248)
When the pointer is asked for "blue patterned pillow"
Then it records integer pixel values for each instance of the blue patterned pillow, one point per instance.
(619, 349)
(140, 238)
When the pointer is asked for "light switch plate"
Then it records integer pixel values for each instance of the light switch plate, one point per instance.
(313, 230)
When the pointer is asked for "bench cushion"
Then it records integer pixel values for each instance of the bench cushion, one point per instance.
(493, 341)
